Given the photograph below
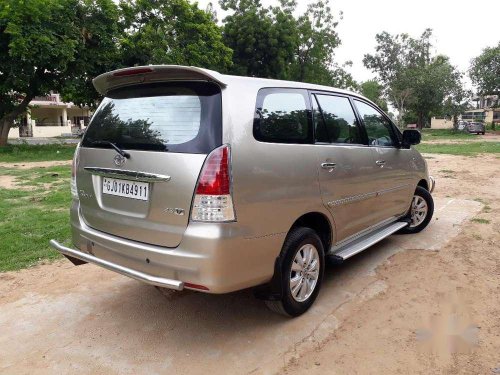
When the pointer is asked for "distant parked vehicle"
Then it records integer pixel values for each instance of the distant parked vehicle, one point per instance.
(476, 127)
(462, 125)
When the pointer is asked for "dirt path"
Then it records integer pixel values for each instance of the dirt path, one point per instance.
(35, 164)
(384, 311)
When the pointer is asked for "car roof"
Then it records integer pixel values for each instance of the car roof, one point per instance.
(157, 73)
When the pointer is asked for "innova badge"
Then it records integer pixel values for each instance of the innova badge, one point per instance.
(119, 160)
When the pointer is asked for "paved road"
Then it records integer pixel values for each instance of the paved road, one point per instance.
(63, 319)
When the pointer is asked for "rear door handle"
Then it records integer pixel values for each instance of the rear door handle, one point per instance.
(380, 162)
(328, 165)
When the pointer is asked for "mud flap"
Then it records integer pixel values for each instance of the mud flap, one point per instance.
(273, 290)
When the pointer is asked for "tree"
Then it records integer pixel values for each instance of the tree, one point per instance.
(171, 32)
(394, 54)
(97, 54)
(272, 43)
(485, 71)
(51, 45)
(262, 39)
(457, 102)
(431, 85)
(317, 40)
(414, 81)
(375, 92)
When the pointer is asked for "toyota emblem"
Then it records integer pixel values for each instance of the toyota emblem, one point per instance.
(119, 160)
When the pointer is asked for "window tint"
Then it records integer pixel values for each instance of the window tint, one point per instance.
(378, 128)
(181, 117)
(335, 121)
(282, 117)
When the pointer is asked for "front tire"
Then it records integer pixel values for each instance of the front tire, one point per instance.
(302, 269)
(421, 211)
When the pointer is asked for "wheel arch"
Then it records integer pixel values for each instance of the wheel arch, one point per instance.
(320, 223)
(423, 183)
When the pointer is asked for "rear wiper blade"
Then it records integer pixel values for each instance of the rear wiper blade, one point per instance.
(123, 153)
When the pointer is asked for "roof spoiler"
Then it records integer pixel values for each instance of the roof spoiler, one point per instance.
(154, 73)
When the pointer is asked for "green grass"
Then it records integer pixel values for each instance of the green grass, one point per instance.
(467, 149)
(33, 214)
(436, 134)
(481, 221)
(25, 153)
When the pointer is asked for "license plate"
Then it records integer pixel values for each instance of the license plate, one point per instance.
(125, 188)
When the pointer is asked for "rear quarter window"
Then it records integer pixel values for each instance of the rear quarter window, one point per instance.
(172, 117)
(282, 116)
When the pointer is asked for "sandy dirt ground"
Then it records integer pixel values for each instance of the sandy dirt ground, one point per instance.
(9, 182)
(427, 303)
(440, 311)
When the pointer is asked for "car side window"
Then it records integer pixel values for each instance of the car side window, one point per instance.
(334, 120)
(282, 116)
(378, 128)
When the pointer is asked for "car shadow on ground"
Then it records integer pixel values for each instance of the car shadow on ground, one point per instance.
(136, 309)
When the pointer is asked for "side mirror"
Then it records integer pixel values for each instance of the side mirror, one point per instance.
(411, 137)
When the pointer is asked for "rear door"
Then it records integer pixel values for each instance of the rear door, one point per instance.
(346, 167)
(167, 129)
(393, 178)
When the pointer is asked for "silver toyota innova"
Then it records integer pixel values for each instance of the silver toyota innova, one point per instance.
(190, 179)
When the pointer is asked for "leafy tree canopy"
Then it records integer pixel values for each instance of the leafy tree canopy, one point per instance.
(52, 45)
(262, 39)
(485, 71)
(272, 43)
(171, 32)
(413, 79)
(375, 92)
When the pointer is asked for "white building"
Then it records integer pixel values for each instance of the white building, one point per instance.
(48, 116)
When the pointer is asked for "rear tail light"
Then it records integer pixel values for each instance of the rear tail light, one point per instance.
(213, 201)
(74, 166)
(195, 286)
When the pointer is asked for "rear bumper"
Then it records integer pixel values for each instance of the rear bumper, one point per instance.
(220, 257)
(148, 279)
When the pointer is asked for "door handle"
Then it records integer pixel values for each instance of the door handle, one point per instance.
(380, 162)
(328, 165)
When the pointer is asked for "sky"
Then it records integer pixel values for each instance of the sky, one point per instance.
(460, 29)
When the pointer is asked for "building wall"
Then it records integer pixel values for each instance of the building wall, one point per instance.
(489, 117)
(47, 116)
(43, 131)
(440, 123)
(13, 133)
(51, 131)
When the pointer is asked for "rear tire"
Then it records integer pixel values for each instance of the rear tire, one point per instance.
(302, 269)
(421, 211)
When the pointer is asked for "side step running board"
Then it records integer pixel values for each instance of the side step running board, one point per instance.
(366, 241)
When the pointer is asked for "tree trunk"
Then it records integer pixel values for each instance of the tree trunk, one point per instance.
(455, 122)
(8, 119)
(420, 123)
(4, 132)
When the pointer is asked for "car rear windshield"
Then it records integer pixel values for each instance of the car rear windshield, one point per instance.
(172, 117)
